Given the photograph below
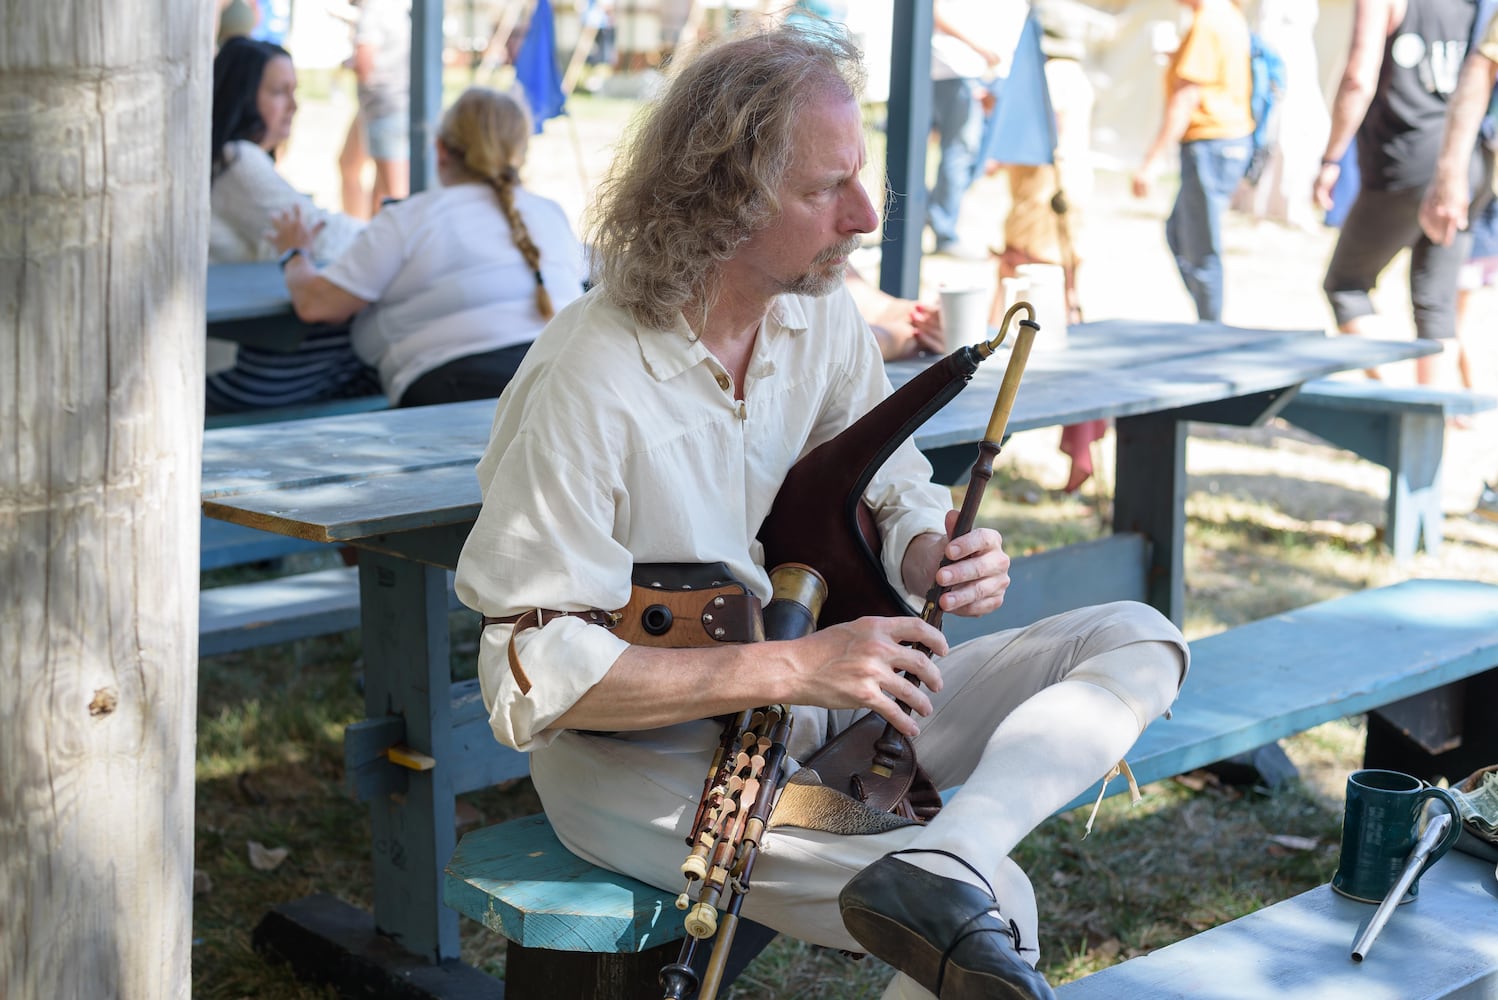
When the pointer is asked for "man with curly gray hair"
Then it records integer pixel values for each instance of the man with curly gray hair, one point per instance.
(653, 422)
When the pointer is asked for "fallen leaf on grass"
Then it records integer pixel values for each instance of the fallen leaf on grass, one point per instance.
(1290, 842)
(266, 859)
(1198, 780)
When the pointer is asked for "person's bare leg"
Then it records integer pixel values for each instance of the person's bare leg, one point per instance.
(1463, 358)
(1440, 369)
(392, 180)
(1364, 326)
(1009, 260)
(351, 160)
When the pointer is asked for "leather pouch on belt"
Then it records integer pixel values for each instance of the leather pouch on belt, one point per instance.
(672, 605)
(678, 605)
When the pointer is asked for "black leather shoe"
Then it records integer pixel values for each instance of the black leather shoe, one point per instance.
(946, 935)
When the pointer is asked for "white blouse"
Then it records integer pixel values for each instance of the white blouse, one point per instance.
(244, 197)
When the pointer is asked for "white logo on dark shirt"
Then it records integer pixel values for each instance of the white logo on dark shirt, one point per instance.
(1437, 64)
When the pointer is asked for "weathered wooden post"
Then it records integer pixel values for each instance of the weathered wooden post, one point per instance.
(103, 238)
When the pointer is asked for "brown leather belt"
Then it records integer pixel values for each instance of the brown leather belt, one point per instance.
(537, 617)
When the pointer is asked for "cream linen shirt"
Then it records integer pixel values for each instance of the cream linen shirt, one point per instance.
(618, 445)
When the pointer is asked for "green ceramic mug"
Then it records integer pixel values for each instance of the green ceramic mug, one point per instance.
(1380, 825)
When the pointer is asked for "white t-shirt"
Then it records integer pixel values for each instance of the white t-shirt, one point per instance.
(444, 279)
(995, 26)
(243, 198)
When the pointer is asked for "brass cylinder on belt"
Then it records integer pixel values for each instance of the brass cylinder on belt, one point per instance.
(798, 593)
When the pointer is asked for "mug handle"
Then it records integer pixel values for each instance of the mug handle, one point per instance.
(1455, 831)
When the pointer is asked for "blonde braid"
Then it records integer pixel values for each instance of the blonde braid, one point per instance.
(486, 132)
(504, 186)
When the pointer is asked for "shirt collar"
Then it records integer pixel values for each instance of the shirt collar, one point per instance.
(668, 353)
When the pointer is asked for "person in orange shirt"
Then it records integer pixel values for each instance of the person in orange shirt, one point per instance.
(1207, 112)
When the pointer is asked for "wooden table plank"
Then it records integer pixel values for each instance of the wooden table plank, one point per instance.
(344, 510)
(1050, 396)
(342, 478)
(1445, 943)
(300, 453)
(248, 303)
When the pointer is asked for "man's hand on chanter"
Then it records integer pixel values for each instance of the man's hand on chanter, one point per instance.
(862, 664)
(977, 577)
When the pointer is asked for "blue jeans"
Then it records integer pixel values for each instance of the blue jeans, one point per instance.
(958, 120)
(1210, 172)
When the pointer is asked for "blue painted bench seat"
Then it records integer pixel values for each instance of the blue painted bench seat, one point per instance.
(223, 544)
(1402, 428)
(301, 411)
(299, 606)
(1248, 686)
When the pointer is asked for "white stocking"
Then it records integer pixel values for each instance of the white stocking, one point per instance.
(1046, 752)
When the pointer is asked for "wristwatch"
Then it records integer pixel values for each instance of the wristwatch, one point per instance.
(286, 257)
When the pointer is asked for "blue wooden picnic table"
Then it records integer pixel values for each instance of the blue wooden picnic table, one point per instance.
(400, 486)
(248, 304)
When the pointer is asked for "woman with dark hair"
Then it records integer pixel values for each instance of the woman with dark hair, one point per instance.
(448, 288)
(254, 102)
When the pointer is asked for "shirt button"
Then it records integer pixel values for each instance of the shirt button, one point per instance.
(723, 381)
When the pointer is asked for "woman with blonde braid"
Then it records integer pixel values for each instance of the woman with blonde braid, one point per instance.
(448, 288)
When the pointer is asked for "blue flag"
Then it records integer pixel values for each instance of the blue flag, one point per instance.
(536, 67)
(1022, 128)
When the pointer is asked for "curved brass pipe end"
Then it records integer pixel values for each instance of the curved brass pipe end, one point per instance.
(987, 348)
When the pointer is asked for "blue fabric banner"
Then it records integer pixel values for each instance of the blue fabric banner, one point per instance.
(1022, 128)
(536, 67)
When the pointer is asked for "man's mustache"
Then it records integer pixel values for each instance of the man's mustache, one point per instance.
(841, 250)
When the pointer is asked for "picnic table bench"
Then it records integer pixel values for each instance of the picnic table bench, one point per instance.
(571, 925)
(1402, 428)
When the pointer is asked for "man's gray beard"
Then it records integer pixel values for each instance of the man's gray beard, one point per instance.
(817, 283)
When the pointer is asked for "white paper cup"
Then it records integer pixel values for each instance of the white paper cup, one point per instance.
(1044, 287)
(964, 314)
